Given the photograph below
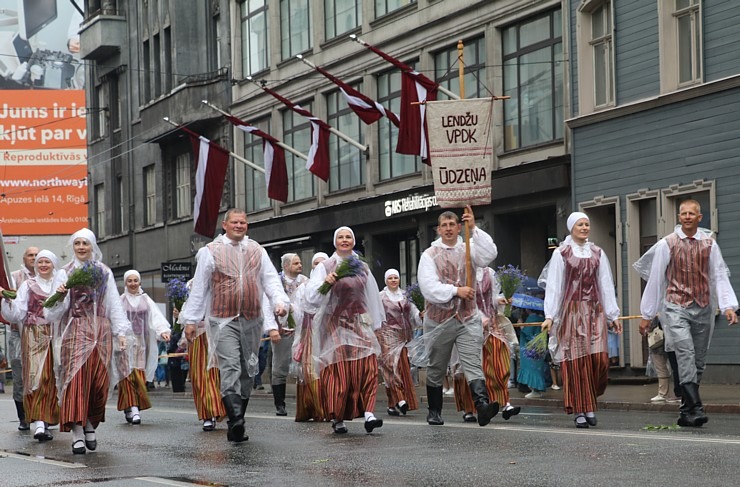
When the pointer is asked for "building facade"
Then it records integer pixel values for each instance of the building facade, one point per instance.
(513, 48)
(655, 94)
(150, 59)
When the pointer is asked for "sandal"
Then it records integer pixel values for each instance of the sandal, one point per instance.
(393, 412)
(580, 421)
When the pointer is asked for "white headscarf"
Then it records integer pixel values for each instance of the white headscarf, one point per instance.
(49, 255)
(317, 255)
(391, 272)
(126, 275)
(336, 232)
(574, 217)
(88, 235)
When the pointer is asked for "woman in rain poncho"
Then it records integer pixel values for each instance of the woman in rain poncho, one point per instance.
(148, 324)
(579, 302)
(39, 385)
(344, 341)
(402, 317)
(85, 324)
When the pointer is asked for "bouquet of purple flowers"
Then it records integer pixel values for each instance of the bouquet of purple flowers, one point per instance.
(87, 275)
(413, 294)
(536, 348)
(510, 278)
(349, 267)
(177, 291)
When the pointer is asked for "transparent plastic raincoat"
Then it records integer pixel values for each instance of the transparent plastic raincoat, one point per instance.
(147, 326)
(580, 299)
(401, 318)
(495, 324)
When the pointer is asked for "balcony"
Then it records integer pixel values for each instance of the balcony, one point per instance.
(102, 35)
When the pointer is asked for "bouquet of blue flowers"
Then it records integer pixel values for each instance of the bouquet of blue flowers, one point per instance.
(177, 291)
(349, 267)
(87, 275)
(536, 348)
(510, 278)
(413, 294)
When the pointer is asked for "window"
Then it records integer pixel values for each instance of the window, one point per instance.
(392, 164)
(595, 56)
(446, 69)
(341, 16)
(100, 210)
(150, 195)
(167, 35)
(183, 196)
(297, 134)
(254, 36)
(214, 43)
(702, 191)
(114, 102)
(255, 187)
(156, 66)
(100, 120)
(383, 7)
(295, 34)
(680, 28)
(118, 205)
(347, 166)
(533, 78)
(146, 78)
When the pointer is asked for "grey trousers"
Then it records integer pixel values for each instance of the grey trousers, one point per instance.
(238, 342)
(468, 337)
(281, 356)
(16, 364)
(687, 332)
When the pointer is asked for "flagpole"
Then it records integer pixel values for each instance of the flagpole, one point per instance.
(444, 90)
(284, 146)
(235, 156)
(346, 138)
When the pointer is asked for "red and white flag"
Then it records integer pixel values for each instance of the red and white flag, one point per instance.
(318, 154)
(212, 161)
(276, 171)
(413, 138)
(369, 110)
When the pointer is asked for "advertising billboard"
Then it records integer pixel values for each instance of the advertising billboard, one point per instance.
(43, 135)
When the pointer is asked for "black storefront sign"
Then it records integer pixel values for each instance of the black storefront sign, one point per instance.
(179, 270)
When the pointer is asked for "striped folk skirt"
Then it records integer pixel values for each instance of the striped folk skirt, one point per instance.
(40, 404)
(463, 397)
(206, 383)
(308, 398)
(401, 386)
(132, 391)
(348, 388)
(86, 394)
(584, 379)
(496, 368)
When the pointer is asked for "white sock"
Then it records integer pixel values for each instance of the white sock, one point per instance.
(401, 403)
(590, 414)
(369, 416)
(40, 428)
(77, 433)
(508, 406)
(134, 410)
(90, 431)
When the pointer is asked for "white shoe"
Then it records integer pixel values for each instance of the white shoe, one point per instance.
(450, 392)
(534, 395)
(658, 398)
(555, 387)
(673, 400)
(511, 384)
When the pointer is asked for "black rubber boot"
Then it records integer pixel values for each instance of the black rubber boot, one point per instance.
(235, 412)
(22, 425)
(694, 414)
(434, 397)
(278, 394)
(486, 410)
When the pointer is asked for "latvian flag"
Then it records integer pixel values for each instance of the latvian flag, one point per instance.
(276, 171)
(318, 154)
(365, 107)
(413, 138)
(212, 160)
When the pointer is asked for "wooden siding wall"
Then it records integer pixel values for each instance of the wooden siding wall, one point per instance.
(636, 50)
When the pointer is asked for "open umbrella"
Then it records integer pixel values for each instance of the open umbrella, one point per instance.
(527, 302)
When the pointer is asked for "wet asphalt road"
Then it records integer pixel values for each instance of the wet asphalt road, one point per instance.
(539, 448)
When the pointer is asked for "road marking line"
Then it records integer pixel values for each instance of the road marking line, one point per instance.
(47, 461)
(164, 481)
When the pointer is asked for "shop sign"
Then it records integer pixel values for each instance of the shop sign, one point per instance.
(173, 270)
(410, 203)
